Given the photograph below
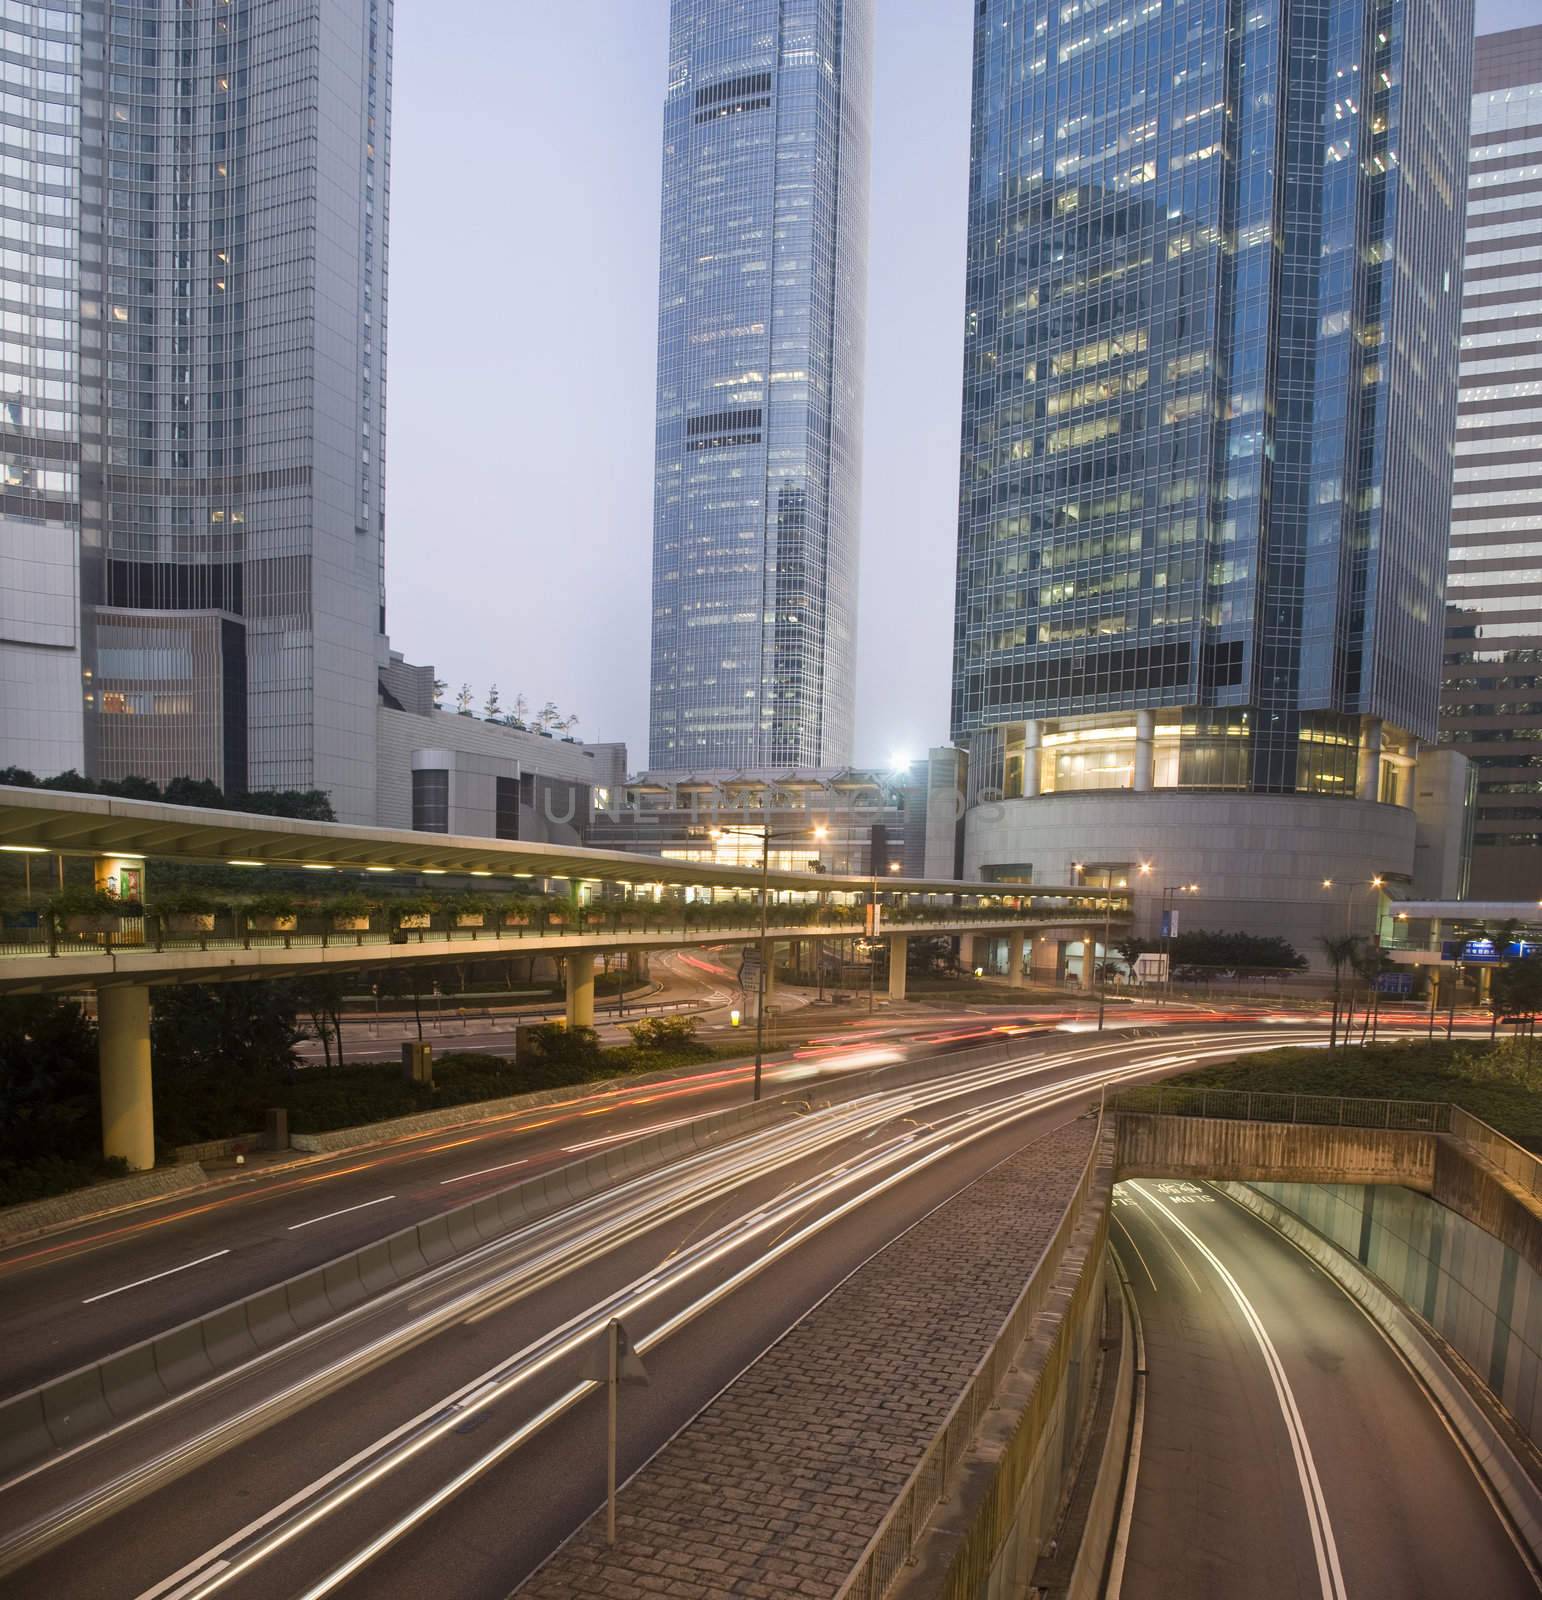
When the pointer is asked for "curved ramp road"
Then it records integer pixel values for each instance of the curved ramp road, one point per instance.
(1286, 1453)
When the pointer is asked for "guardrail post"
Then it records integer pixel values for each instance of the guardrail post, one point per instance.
(1295, 1108)
(1248, 1115)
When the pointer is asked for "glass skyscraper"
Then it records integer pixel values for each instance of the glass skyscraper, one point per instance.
(1214, 283)
(1491, 708)
(762, 290)
(192, 288)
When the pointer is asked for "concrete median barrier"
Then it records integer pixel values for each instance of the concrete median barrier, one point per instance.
(74, 1406)
(181, 1357)
(131, 1383)
(227, 1336)
(24, 1435)
(344, 1288)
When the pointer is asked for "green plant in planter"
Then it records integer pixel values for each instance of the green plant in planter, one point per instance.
(91, 903)
(411, 905)
(350, 904)
(275, 903)
(186, 902)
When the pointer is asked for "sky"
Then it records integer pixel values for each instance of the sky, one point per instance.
(519, 469)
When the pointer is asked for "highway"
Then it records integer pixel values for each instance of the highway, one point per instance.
(348, 1440)
(1286, 1452)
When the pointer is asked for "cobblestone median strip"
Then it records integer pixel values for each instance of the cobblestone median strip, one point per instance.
(777, 1486)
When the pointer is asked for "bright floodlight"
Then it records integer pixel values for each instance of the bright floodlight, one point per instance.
(898, 760)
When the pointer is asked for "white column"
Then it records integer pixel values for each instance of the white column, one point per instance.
(1015, 959)
(899, 951)
(1033, 742)
(1368, 782)
(1145, 750)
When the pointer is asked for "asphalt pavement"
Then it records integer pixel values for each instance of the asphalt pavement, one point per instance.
(1287, 1452)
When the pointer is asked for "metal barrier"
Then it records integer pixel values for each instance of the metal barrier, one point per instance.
(1256, 1105)
(1517, 1163)
(891, 1546)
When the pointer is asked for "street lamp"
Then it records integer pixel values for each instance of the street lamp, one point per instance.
(1170, 893)
(872, 937)
(1376, 882)
(765, 835)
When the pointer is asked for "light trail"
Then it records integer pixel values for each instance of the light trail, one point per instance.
(873, 1174)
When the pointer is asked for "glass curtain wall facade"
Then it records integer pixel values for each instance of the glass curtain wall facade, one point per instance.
(1214, 268)
(211, 579)
(762, 298)
(1491, 703)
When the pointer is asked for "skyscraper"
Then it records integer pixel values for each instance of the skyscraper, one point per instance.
(194, 279)
(1491, 707)
(762, 291)
(1213, 285)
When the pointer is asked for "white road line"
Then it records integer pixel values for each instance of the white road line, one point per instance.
(504, 1167)
(363, 1205)
(631, 1133)
(1329, 1574)
(107, 1294)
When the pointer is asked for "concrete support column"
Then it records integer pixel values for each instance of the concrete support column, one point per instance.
(580, 989)
(1090, 959)
(123, 1050)
(1485, 983)
(899, 954)
(637, 965)
(1145, 751)
(979, 951)
(770, 972)
(1368, 778)
(1033, 755)
(1015, 959)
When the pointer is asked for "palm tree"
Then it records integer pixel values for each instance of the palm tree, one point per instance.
(1340, 952)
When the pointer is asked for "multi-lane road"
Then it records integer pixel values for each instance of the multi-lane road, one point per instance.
(346, 1440)
(1286, 1451)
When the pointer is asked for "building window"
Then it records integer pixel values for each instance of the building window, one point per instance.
(506, 820)
(431, 800)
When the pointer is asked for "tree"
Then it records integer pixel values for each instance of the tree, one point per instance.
(491, 708)
(1341, 952)
(1517, 988)
(321, 998)
(48, 1081)
(548, 716)
(521, 709)
(1202, 954)
(568, 723)
(1130, 950)
(225, 1027)
(439, 688)
(463, 698)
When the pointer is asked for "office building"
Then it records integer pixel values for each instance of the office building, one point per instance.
(194, 287)
(1491, 703)
(1213, 291)
(762, 288)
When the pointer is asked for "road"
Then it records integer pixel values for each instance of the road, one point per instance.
(1287, 1452)
(83, 1292)
(708, 1263)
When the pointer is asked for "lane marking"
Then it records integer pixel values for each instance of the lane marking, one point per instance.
(122, 1288)
(1330, 1575)
(631, 1133)
(504, 1167)
(1121, 1550)
(1170, 1247)
(1138, 1256)
(327, 1216)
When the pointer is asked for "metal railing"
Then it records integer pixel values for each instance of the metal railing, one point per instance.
(1515, 1161)
(150, 933)
(1259, 1105)
(890, 1547)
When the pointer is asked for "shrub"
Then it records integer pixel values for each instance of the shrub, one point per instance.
(558, 1045)
(664, 1033)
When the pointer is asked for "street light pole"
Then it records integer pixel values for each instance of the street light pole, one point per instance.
(760, 998)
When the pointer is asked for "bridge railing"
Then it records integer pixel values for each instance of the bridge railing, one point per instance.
(36, 934)
(890, 1547)
(1258, 1105)
(1517, 1163)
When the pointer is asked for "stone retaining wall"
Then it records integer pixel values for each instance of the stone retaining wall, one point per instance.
(17, 1222)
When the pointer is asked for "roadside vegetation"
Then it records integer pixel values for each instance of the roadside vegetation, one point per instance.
(1499, 1082)
(225, 1053)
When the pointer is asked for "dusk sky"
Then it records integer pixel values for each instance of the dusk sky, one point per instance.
(520, 445)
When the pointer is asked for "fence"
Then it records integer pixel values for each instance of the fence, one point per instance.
(890, 1547)
(1254, 1105)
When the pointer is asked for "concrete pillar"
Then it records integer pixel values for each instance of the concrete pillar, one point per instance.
(770, 972)
(1015, 959)
(1368, 778)
(899, 954)
(979, 951)
(123, 1050)
(1033, 755)
(637, 965)
(1145, 750)
(1090, 959)
(580, 986)
(1485, 983)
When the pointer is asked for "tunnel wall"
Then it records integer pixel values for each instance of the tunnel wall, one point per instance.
(1151, 1146)
(1481, 1296)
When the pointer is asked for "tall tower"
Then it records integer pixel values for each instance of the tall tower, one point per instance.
(1491, 706)
(762, 294)
(1213, 296)
(194, 511)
